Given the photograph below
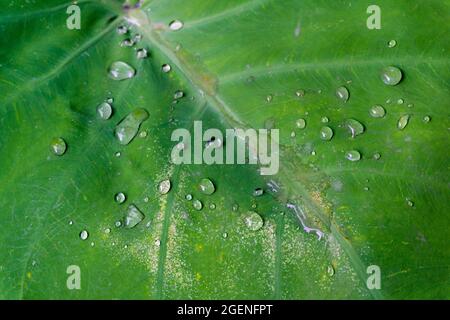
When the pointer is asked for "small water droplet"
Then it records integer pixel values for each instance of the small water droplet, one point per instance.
(127, 43)
(133, 217)
(104, 110)
(392, 43)
(206, 186)
(300, 93)
(403, 122)
(164, 186)
(178, 95)
(353, 155)
(301, 123)
(326, 133)
(92, 244)
(58, 146)
(342, 93)
(70, 222)
(293, 134)
(197, 204)
(354, 127)
(377, 111)
(189, 197)
(376, 156)
(330, 270)
(324, 120)
(141, 53)
(166, 68)
(143, 134)
(235, 207)
(137, 37)
(121, 71)
(253, 221)
(84, 235)
(400, 101)
(122, 29)
(128, 128)
(258, 192)
(426, 119)
(176, 25)
(157, 242)
(269, 98)
(410, 203)
(120, 197)
(108, 230)
(212, 206)
(391, 76)
(410, 105)
(118, 224)
(118, 154)
(225, 235)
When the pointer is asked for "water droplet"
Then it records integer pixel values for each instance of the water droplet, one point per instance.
(326, 133)
(143, 134)
(104, 110)
(409, 203)
(141, 53)
(58, 146)
(392, 43)
(70, 222)
(354, 126)
(353, 155)
(118, 224)
(300, 93)
(197, 204)
(108, 230)
(426, 119)
(164, 186)
(157, 242)
(301, 123)
(293, 134)
(269, 98)
(403, 122)
(342, 93)
(376, 156)
(120, 197)
(176, 25)
(207, 187)
(128, 128)
(253, 221)
(133, 217)
(92, 244)
(330, 270)
(377, 111)
(225, 235)
(122, 29)
(166, 68)
(118, 154)
(324, 120)
(410, 105)
(121, 71)
(137, 37)
(178, 95)
(400, 101)
(391, 76)
(212, 206)
(258, 192)
(189, 197)
(127, 43)
(84, 235)
(235, 207)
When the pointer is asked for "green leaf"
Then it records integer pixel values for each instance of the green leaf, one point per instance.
(241, 64)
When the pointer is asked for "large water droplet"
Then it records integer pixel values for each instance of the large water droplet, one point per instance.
(128, 128)
(164, 186)
(176, 25)
(403, 122)
(301, 123)
(133, 217)
(121, 71)
(120, 197)
(391, 75)
(377, 111)
(104, 110)
(342, 93)
(58, 146)
(253, 221)
(197, 204)
(326, 133)
(354, 126)
(353, 155)
(84, 235)
(207, 187)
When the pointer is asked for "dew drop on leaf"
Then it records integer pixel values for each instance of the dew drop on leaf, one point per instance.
(84, 235)
(391, 76)
(128, 128)
(58, 146)
(342, 94)
(426, 119)
(326, 133)
(164, 186)
(120, 197)
(197, 204)
(176, 25)
(122, 29)
(188, 197)
(353, 155)
(121, 71)
(104, 111)
(258, 192)
(127, 43)
(253, 221)
(377, 111)
(207, 187)
(133, 217)
(403, 122)
(166, 68)
(354, 127)
(141, 53)
(178, 95)
(301, 123)
(392, 43)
